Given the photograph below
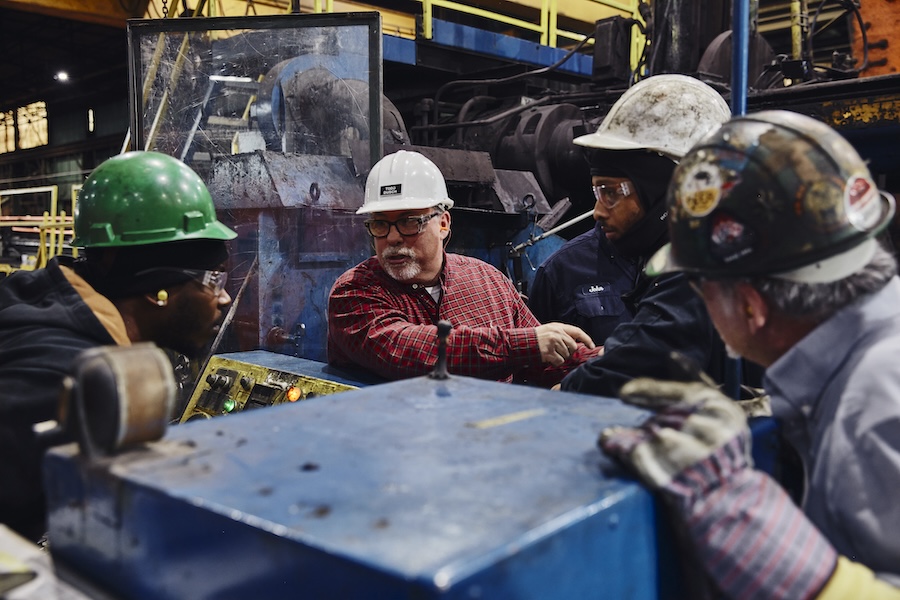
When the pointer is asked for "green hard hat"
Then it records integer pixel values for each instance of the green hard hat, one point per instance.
(141, 198)
(774, 193)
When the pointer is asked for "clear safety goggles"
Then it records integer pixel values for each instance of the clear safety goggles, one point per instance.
(214, 280)
(610, 195)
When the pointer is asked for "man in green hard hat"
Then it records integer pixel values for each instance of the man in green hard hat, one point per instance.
(151, 271)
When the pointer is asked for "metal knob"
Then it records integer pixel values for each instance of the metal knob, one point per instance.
(440, 367)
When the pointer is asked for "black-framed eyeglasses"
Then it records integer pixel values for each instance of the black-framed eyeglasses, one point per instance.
(610, 195)
(214, 280)
(407, 226)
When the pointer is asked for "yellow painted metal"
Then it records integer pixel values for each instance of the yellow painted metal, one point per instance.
(243, 379)
(52, 228)
(53, 190)
(403, 24)
(506, 419)
(796, 31)
(479, 12)
(548, 23)
(628, 7)
(427, 16)
(862, 113)
(76, 187)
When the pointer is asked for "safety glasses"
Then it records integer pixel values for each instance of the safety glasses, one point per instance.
(610, 195)
(214, 280)
(407, 226)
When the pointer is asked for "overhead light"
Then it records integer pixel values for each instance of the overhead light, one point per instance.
(62, 77)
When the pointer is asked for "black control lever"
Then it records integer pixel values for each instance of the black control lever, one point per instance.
(440, 367)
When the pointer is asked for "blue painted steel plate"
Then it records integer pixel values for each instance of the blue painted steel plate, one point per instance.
(414, 489)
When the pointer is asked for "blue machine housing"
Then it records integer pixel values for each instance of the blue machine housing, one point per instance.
(421, 488)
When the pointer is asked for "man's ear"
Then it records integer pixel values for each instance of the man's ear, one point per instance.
(756, 308)
(444, 225)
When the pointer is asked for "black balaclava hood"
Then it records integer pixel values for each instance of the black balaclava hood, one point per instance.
(120, 279)
(650, 173)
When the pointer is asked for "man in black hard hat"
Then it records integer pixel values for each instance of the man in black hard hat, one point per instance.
(773, 218)
(153, 254)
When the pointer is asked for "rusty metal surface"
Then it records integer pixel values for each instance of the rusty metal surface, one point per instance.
(265, 179)
(866, 111)
(519, 192)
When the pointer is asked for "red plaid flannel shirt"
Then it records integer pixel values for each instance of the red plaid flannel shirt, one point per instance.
(390, 328)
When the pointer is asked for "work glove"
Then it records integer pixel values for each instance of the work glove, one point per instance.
(695, 450)
(755, 402)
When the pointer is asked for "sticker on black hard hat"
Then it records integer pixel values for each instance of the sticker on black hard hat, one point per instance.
(729, 239)
(700, 189)
(822, 200)
(391, 190)
(862, 203)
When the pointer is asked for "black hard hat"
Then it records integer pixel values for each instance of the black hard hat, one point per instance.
(773, 193)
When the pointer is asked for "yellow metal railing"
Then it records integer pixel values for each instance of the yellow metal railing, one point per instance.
(52, 228)
(587, 11)
(549, 16)
(548, 22)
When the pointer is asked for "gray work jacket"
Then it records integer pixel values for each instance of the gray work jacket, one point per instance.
(837, 393)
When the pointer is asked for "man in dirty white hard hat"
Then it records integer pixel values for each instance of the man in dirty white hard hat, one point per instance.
(595, 280)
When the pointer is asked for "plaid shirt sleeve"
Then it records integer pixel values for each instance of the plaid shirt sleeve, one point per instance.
(390, 328)
(749, 535)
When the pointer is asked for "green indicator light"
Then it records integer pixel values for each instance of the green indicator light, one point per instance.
(228, 405)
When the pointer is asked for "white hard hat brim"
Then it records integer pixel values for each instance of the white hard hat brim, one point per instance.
(607, 142)
(403, 204)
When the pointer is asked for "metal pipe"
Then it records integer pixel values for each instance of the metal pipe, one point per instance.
(796, 31)
(558, 228)
(740, 55)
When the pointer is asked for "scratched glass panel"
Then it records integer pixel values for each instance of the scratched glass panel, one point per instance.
(277, 120)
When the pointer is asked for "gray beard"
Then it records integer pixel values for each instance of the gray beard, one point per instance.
(410, 270)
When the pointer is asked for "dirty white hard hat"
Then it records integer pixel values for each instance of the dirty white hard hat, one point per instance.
(404, 180)
(666, 113)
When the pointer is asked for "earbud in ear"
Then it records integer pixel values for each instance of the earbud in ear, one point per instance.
(445, 229)
(162, 298)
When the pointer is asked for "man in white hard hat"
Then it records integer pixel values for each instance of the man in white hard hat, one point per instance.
(595, 280)
(383, 313)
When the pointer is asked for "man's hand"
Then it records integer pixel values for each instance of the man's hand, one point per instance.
(557, 341)
(693, 421)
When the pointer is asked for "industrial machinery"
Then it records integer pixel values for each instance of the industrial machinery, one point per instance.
(248, 380)
(430, 487)
(284, 116)
(434, 487)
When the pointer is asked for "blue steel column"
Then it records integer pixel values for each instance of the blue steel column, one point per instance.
(740, 60)
(740, 55)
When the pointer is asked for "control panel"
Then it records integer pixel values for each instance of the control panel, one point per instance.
(244, 381)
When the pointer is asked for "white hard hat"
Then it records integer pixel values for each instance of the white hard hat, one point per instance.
(404, 180)
(664, 113)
